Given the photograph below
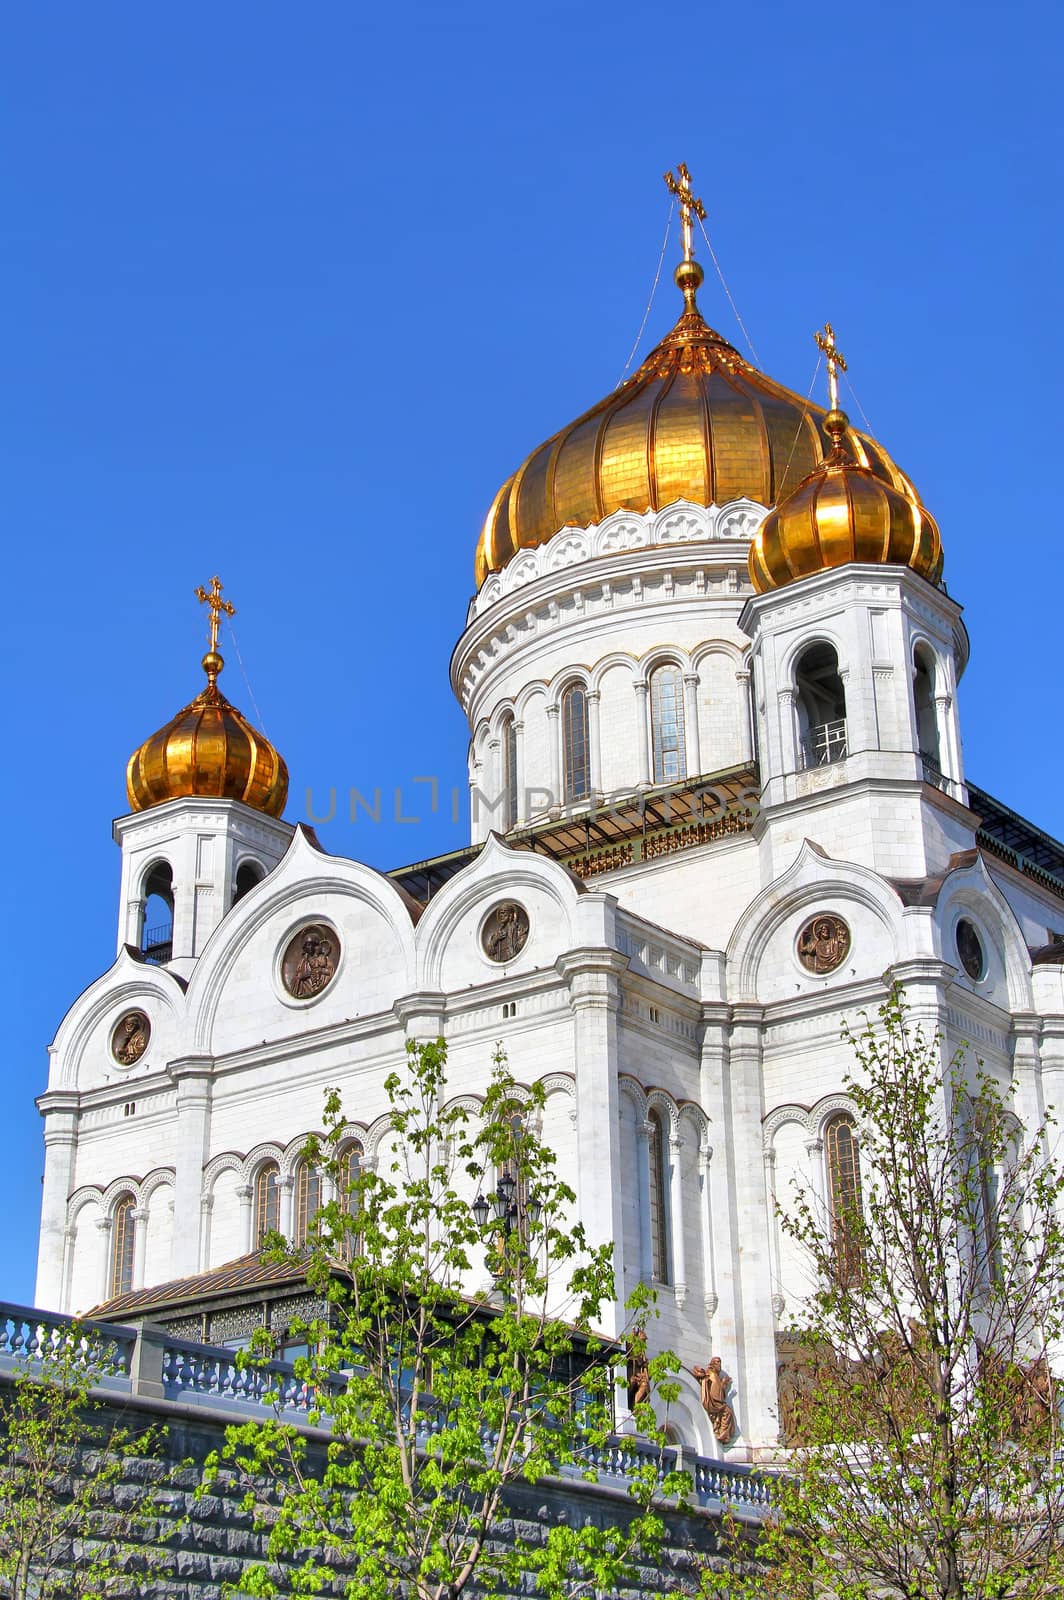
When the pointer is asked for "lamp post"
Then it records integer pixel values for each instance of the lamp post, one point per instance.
(510, 1213)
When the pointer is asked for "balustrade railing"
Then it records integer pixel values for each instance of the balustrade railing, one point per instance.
(149, 1361)
(99, 1352)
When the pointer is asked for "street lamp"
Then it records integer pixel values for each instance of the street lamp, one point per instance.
(510, 1213)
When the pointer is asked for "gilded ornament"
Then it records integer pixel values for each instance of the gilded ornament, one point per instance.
(310, 961)
(130, 1038)
(823, 944)
(209, 748)
(505, 932)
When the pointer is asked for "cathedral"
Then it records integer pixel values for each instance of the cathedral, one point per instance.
(718, 801)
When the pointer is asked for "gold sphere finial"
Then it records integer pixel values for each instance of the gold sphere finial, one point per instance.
(212, 664)
(689, 277)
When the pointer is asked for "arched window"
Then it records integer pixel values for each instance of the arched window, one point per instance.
(157, 925)
(844, 1195)
(657, 1151)
(308, 1199)
(267, 1202)
(248, 874)
(576, 743)
(821, 706)
(123, 1241)
(926, 719)
(666, 723)
(509, 773)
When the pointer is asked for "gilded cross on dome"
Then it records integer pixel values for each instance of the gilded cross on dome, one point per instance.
(680, 186)
(826, 343)
(212, 598)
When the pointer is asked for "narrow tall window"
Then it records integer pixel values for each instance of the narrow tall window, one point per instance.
(509, 770)
(123, 1240)
(576, 743)
(267, 1201)
(666, 724)
(821, 706)
(308, 1199)
(844, 1194)
(926, 717)
(347, 1177)
(659, 1166)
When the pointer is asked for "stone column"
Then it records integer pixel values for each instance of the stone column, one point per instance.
(715, 1098)
(692, 735)
(705, 1158)
(192, 1076)
(557, 797)
(245, 1194)
(756, 1363)
(593, 979)
(594, 734)
(59, 1108)
(679, 1252)
(746, 715)
(104, 1226)
(286, 1221)
(139, 1218)
(519, 805)
(645, 777)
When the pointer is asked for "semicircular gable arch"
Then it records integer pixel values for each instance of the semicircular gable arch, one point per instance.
(127, 984)
(304, 876)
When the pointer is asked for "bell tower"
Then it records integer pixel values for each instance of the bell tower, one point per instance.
(206, 793)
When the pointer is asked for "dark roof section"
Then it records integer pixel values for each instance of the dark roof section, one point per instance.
(234, 1277)
(424, 878)
(1013, 839)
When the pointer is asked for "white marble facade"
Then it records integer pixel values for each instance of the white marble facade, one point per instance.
(663, 999)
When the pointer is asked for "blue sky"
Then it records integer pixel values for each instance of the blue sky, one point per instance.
(288, 291)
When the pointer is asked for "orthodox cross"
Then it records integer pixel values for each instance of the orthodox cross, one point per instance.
(826, 343)
(681, 188)
(212, 598)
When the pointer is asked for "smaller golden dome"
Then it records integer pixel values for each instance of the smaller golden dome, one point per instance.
(842, 512)
(208, 749)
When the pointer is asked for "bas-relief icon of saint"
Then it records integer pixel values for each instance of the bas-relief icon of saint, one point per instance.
(130, 1038)
(505, 932)
(310, 962)
(823, 944)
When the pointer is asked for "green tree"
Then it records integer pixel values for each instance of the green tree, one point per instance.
(63, 1533)
(928, 1465)
(448, 1398)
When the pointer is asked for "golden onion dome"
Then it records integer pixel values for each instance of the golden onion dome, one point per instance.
(843, 511)
(209, 749)
(696, 422)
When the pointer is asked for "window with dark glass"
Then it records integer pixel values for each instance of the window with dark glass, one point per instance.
(267, 1202)
(308, 1199)
(659, 1166)
(576, 743)
(666, 724)
(123, 1241)
(350, 1171)
(509, 767)
(844, 1195)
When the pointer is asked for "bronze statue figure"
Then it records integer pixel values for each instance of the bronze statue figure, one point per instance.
(715, 1384)
(823, 944)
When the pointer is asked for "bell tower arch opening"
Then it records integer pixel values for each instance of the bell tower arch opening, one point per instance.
(157, 913)
(820, 699)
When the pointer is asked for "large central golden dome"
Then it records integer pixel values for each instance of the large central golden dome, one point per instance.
(696, 422)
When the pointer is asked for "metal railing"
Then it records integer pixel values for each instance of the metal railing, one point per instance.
(933, 773)
(158, 943)
(146, 1360)
(825, 744)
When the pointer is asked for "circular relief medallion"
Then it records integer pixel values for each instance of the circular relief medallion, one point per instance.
(970, 950)
(130, 1038)
(823, 944)
(310, 961)
(505, 931)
